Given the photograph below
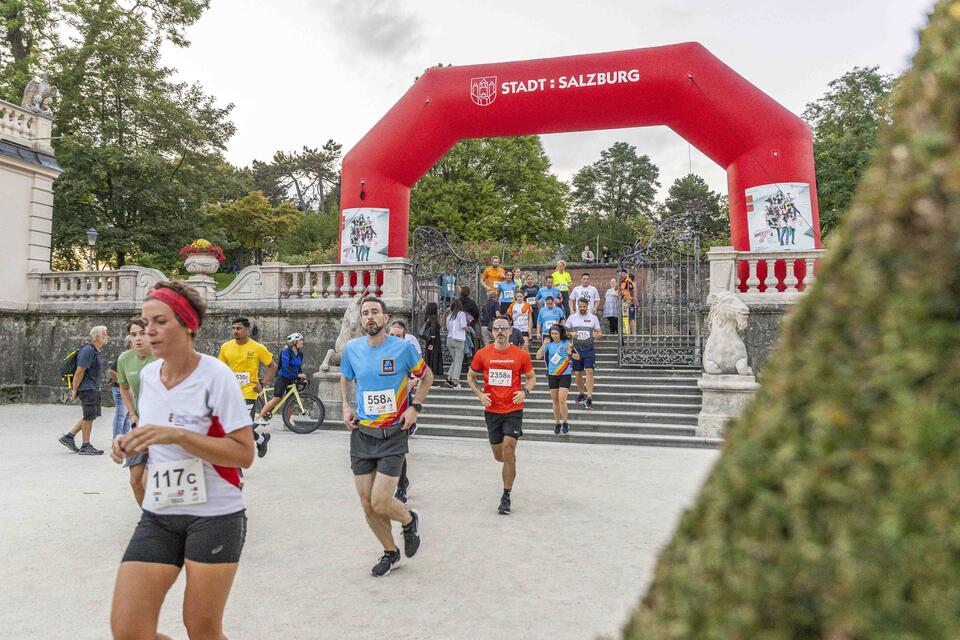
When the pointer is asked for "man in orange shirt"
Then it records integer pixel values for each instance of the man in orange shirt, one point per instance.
(492, 274)
(502, 396)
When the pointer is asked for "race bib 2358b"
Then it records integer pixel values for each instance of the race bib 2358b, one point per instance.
(500, 377)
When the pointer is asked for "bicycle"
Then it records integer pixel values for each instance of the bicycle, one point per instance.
(301, 412)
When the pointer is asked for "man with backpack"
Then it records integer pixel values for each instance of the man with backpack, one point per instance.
(83, 369)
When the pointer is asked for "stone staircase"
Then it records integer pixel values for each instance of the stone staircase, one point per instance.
(652, 407)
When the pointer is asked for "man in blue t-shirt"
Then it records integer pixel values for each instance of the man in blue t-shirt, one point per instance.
(551, 314)
(381, 366)
(548, 290)
(85, 385)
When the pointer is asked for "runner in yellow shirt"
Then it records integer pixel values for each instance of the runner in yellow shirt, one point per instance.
(562, 281)
(244, 356)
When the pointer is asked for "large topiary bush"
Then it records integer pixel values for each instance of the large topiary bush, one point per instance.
(834, 511)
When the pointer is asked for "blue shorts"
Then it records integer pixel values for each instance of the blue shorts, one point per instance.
(588, 360)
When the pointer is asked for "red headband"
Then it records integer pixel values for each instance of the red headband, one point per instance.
(180, 305)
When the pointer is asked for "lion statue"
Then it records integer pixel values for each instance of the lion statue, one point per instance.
(38, 93)
(725, 351)
(349, 329)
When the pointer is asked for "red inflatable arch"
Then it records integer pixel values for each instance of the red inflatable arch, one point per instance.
(682, 86)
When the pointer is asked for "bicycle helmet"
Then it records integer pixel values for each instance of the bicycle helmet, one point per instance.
(293, 337)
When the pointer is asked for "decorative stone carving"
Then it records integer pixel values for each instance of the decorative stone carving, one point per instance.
(205, 264)
(349, 329)
(37, 94)
(725, 352)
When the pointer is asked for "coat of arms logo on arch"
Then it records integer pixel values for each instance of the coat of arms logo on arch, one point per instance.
(483, 91)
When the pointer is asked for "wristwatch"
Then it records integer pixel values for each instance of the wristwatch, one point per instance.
(417, 406)
(526, 391)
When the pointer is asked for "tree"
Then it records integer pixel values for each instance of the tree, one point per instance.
(691, 195)
(833, 510)
(141, 154)
(308, 178)
(498, 188)
(618, 186)
(254, 223)
(845, 124)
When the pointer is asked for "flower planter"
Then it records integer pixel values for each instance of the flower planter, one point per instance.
(201, 264)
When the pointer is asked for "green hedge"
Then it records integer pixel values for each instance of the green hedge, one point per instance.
(834, 510)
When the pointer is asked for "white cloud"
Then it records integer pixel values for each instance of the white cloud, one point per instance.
(380, 29)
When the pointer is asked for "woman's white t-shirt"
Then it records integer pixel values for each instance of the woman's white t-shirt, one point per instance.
(208, 402)
(456, 326)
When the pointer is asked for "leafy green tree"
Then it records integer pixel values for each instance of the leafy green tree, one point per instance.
(28, 36)
(254, 223)
(314, 232)
(845, 124)
(493, 188)
(308, 178)
(690, 194)
(619, 186)
(833, 510)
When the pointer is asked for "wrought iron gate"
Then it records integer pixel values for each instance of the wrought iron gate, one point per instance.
(433, 256)
(660, 317)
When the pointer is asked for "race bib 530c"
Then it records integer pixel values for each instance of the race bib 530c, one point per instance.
(243, 378)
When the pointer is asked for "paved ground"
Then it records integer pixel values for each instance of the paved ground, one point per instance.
(570, 562)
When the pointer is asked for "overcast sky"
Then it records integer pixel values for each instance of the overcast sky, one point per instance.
(300, 72)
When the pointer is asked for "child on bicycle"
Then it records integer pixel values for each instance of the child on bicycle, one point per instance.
(291, 364)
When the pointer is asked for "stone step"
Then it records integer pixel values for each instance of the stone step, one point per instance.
(576, 436)
(672, 404)
(598, 420)
(609, 388)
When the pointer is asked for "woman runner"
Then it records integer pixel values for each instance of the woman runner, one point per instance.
(558, 351)
(195, 428)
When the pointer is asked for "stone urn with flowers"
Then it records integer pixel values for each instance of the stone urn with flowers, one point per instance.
(202, 257)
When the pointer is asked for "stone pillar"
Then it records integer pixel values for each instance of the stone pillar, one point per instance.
(724, 398)
(205, 286)
(27, 171)
(328, 390)
(723, 271)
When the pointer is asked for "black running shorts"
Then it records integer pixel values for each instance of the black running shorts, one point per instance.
(280, 385)
(556, 382)
(172, 539)
(383, 455)
(500, 425)
(89, 404)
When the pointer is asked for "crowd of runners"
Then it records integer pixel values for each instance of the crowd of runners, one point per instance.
(185, 423)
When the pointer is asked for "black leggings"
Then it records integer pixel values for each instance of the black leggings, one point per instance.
(613, 324)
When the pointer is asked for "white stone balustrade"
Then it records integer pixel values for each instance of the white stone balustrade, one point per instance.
(725, 273)
(269, 286)
(25, 127)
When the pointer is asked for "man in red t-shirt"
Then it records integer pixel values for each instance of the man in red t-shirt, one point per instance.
(501, 365)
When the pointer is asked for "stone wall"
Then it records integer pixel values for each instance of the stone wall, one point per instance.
(34, 343)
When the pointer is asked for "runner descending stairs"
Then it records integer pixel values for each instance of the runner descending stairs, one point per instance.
(652, 407)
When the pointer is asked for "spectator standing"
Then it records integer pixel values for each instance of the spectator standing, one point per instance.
(456, 336)
(487, 315)
(448, 286)
(431, 339)
(611, 305)
(605, 256)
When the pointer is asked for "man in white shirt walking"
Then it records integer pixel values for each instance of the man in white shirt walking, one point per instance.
(585, 289)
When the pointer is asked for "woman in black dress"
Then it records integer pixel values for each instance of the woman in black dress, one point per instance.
(433, 347)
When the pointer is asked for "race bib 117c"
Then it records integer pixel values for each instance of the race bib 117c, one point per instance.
(175, 483)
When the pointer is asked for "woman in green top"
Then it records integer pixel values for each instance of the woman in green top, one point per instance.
(562, 281)
(129, 365)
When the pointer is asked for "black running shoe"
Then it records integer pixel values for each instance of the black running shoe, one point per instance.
(580, 398)
(556, 429)
(401, 494)
(262, 446)
(411, 535)
(385, 564)
(566, 428)
(504, 505)
(588, 404)
(67, 441)
(87, 449)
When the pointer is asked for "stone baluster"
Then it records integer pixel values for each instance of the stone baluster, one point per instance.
(328, 284)
(809, 277)
(753, 282)
(284, 288)
(346, 291)
(375, 289)
(359, 287)
(790, 280)
(770, 282)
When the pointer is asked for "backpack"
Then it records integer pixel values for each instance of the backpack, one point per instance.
(68, 366)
